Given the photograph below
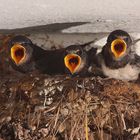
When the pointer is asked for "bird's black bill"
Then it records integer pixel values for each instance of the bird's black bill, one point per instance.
(72, 62)
(18, 53)
(118, 47)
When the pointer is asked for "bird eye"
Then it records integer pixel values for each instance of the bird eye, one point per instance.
(72, 62)
(118, 47)
(18, 53)
(78, 52)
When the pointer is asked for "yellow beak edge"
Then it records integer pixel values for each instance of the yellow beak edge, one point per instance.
(118, 47)
(72, 62)
(18, 53)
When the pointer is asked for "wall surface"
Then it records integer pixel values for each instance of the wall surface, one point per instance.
(103, 15)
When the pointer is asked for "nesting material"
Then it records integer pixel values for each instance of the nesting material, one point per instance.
(60, 107)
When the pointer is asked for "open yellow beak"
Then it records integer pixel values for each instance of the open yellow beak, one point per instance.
(72, 62)
(18, 53)
(118, 47)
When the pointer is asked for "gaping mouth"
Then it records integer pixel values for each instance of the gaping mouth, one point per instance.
(118, 47)
(72, 62)
(18, 53)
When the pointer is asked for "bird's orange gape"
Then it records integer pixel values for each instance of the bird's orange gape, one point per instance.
(18, 53)
(118, 47)
(72, 62)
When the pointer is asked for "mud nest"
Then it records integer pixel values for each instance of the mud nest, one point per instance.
(41, 107)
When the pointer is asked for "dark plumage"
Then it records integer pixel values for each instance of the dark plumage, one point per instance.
(23, 54)
(110, 59)
(34, 57)
(26, 57)
(76, 59)
(52, 62)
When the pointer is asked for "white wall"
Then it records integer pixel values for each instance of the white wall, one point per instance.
(104, 15)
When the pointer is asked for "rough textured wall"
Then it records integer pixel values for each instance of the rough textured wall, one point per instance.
(104, 15)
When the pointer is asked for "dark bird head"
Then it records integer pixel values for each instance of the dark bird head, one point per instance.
(116, 52)
(21, 53)
(75, 59)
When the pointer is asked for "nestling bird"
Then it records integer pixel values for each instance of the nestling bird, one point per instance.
(115, 58)
(76, 59)
(23, 54)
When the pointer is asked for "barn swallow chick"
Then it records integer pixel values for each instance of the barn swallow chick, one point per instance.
(23, 53)
(115, 57)
(75, 60)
